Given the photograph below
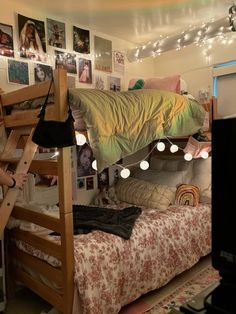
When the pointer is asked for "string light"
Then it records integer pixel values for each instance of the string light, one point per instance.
(80, 139)
(197, 34)
(144, 164)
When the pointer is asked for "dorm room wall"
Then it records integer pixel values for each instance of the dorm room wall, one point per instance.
(195, 67)
(8, 15)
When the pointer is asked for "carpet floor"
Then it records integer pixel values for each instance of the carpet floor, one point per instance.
(178, 291)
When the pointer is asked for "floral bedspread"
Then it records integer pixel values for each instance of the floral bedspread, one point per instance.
(111, 272)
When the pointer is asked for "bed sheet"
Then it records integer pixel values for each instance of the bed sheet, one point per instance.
(111, 272)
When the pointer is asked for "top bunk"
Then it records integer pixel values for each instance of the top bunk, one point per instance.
(116, 124)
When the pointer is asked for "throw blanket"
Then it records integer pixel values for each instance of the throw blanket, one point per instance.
(118, 222)
(121, 123)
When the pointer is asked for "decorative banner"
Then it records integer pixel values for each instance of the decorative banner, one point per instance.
(119, 61)
(85, 71)
(103, 54)
(18, 72)
(42, 72)
(56, 32)
(114, 83)
(81, 41)
(32, 38)
(6, 40)
(66, 59)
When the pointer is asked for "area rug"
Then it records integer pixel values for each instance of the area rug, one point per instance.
(152, 304)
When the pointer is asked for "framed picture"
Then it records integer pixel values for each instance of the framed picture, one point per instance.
(18, 72)
(6, 40)
(85, 71)
(100, 82)
(81, 42)
(68, 60)
(42, 72)
(103, 54)
(56, 33)
(32, 38)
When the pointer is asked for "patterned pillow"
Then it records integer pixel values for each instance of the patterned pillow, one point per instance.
(187, 195)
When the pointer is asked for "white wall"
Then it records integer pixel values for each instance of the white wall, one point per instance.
(193, 65)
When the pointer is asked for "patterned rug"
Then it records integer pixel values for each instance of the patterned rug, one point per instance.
(152, 304)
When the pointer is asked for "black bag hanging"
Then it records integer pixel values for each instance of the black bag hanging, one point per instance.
(54, 134)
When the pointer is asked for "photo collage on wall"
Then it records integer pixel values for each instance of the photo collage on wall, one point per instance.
(34, 36)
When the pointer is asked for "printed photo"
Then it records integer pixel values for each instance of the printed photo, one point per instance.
(114, 83)
(103, 54)
(18, 72)
(68, 60)
(103, 178)
(81, 41)
(119, 61)
(89, 183)
(84, 161)
(85, 71)
(56, 32)
(81, 183)
(6, 40)
(42, 72)
(114, 174)
(99, 82)
(32, 38)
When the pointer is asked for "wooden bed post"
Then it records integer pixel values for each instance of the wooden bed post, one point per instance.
(65, 195)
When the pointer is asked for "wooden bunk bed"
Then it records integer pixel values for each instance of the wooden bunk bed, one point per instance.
(22, 125)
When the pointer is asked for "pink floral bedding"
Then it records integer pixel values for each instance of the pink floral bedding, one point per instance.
(111, 272)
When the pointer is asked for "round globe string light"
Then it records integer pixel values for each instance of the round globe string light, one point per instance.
(80, 139)
(144, 164)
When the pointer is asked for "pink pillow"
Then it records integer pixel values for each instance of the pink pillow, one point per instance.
(169, 83)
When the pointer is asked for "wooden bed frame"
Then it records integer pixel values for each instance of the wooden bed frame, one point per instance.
(22, 123)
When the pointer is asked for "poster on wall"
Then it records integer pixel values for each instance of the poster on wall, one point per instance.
(32, 38)
(85, 71)
(56, 32)
(84, 161)
(6, 40)
(119, 61)
(114, 83)
(68, 60)
(42, 72)
(103, 54)
(81, 42)
(99, 82)
(18, 72)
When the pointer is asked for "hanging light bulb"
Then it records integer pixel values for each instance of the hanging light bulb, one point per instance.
(174, 148)
(188, 156)
(94, 165)
(125, 173)
(204, 155)
(80, 139)
(144, 165)
(161, 146)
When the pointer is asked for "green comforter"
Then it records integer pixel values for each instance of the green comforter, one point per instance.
(121, 123)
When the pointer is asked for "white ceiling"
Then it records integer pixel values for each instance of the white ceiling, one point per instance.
(137, 21)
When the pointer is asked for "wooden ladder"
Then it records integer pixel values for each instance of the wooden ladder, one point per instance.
(22, 166)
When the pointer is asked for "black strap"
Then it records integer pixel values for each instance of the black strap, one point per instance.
(41, 114)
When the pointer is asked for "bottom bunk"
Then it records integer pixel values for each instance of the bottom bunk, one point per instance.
(111, 271)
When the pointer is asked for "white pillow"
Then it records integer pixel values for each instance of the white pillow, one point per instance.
(201, 177)
(169, 178)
